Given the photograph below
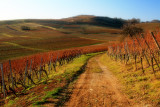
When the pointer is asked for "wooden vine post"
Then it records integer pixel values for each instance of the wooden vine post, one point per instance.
(3, 83)
(25, 75)
(142, 49)
(128, 53)
(150, 51)
(152, 65)
(30, 73)
(142, 62)
(49, 65)
(56, 62)
(11, 74)
(40, 71)
(134, 54)
(154, 38)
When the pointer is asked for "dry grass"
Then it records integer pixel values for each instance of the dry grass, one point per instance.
(149, 26)
(92, 66)
(139, 86)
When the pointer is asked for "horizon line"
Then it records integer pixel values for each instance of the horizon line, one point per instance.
(71, 17)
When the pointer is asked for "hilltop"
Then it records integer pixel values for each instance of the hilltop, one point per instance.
(81, 19)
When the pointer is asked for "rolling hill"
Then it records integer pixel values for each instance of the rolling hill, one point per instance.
(56, 34)
(48, 34)
(82, 19)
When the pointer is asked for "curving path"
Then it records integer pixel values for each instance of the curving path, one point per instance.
(98, 90)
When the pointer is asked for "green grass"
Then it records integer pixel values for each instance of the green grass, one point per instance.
(45, 87)
(33, 98)
(49, 94)
(11, 102)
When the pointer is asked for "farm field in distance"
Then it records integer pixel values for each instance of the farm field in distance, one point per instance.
(45, 36)
(49, 35)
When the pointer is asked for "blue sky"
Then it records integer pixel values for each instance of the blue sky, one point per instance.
(55, 9)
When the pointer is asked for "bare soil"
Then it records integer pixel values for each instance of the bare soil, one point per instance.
(100, 89)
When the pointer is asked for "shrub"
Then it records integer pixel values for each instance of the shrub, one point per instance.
(25, 28)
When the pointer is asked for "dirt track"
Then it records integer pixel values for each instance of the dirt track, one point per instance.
(98, 90)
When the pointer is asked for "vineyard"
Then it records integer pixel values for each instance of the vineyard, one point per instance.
(142, 50)
(21, 73)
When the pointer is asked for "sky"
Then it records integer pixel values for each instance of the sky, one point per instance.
(146, 10)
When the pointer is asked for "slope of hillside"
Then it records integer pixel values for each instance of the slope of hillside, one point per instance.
(45, 35)
(149, 26)
(48, 34)
(82, 19)
(15, 42)
(96, 20)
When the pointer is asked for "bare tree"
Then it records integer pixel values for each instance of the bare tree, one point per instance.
(131, 30)
(134, 21)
